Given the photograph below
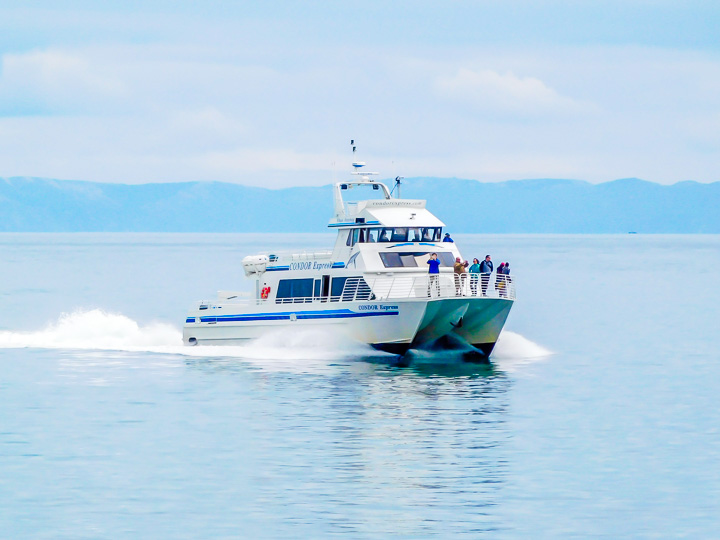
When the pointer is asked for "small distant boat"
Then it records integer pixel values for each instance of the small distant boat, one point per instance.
(373, 285)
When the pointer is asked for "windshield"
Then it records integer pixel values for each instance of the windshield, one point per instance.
(394, 234)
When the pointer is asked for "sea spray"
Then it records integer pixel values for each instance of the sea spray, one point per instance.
(94, 329)
(514, 346)
(103, 331)
(100, 330)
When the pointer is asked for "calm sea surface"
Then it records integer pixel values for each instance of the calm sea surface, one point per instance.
(109, 428)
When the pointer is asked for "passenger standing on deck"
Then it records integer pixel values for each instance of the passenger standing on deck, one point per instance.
(447, 238)
(474, 276)
(500, 280)
(459, 269)
(434, 273)
(486, 268)
(506, 277)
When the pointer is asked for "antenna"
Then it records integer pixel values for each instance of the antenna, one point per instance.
(356, 164)
(398, 181)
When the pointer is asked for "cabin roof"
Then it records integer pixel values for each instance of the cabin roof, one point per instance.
(403, 217)
(387, 213)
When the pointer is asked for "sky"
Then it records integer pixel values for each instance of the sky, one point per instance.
(271, 93)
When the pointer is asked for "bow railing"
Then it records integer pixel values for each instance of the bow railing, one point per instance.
(443, 286)
(380, 288)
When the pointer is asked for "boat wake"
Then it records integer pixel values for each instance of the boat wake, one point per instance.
(94, 329)
(98, 330)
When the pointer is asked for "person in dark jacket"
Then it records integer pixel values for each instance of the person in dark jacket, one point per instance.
(447, 238)
(506, 277)
(486, 268)
(500, 280)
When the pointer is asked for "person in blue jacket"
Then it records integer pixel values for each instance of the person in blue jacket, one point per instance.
(486, 268)
(447, 238)
(434, 274)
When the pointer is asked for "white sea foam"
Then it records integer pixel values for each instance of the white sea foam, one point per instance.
(102, 331)
(94, 329)
(99, 330)
(514, 346)
(514, 351)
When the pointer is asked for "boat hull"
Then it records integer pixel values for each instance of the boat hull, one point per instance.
(392, 326)
(388, 323)
(483, 322)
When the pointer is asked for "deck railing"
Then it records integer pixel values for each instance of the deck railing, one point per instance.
(290, 256)
(389, 288)
(442, 286)
(382, 288)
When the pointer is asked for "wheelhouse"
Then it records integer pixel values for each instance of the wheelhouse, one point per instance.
(372, 235)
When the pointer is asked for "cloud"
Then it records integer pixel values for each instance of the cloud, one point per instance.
(55, 81)
(504, 93)
(254, 160)
(274, 117)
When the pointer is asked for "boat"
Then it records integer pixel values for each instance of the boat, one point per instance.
(372, 286)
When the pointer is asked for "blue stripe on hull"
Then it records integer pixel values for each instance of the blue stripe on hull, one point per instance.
(301, 315)
(284, 268)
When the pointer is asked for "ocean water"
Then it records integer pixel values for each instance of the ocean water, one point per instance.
(599, 416)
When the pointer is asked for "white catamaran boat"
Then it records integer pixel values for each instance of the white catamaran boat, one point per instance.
(373, 285)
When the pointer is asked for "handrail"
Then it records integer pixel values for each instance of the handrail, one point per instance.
(381, 288)
(305, 255)
(389, 288)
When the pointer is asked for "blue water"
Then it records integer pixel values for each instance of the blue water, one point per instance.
(109, 428)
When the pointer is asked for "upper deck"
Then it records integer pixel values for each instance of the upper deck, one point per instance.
(384, 211)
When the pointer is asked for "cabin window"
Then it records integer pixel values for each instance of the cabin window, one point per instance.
(431, 234)
(337, 287)
(294, 290)
(400, 234)
(356, 236)
(410, 259)
(391, 260)
(349, 289)
(446, 259)
(397, 234)
(399, 260)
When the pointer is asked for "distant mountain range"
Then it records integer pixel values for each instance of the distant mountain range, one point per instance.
(466, 206)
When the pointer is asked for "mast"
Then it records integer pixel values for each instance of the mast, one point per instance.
(398, 181)
(357, 165)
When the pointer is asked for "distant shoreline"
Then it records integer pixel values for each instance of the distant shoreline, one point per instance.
(544, 206)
